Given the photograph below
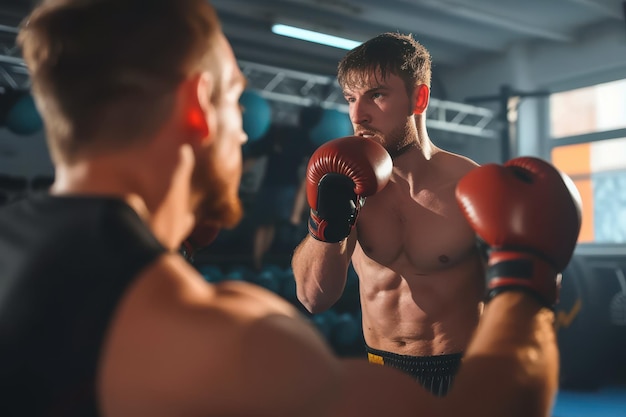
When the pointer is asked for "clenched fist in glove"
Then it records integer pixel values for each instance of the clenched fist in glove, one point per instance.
(340, 174)
(529, 215)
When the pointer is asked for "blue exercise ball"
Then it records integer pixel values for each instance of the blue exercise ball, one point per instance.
(239, 273)
(333, 124)
(257, 114)
(324, 322)
(289, 290)
(23, 117)
(268, 280)
(346, 330)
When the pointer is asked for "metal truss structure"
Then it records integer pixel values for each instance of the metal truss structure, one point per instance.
(286, 89)
(303, 89)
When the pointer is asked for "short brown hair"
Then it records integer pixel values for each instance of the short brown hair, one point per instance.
(389, 53)
(110, 68)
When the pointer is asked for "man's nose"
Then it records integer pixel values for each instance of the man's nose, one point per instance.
(359, 113)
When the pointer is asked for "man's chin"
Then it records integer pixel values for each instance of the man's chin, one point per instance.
(226, 214)
(232, 215)
(216, 199)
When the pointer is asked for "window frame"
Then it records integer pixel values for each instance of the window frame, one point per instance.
(550, 142)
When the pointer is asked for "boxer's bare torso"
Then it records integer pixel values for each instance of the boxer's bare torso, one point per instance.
(421, 277)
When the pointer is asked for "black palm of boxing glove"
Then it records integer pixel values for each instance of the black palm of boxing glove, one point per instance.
(340, 174)
(337, 208)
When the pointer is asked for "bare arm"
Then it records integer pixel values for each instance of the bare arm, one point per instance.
(321, 270)
(510, 369)
(179, 346)
(511, 366)
(339, 175)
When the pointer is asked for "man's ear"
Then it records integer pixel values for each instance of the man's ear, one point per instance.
(199, 112)
(421, 97)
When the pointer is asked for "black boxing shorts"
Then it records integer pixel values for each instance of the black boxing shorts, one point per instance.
(435, 373)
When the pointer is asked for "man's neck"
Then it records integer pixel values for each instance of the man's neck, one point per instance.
(413, 161)
(161, 199)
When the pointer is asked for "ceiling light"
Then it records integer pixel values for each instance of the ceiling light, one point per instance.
(315, 37)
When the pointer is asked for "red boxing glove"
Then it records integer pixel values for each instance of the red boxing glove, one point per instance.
(529, 215)
(340, 174)
(201, 237)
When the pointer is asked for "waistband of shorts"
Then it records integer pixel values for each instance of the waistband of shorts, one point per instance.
(381, 357)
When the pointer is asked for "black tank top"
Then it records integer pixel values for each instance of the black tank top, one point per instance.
(65, 263)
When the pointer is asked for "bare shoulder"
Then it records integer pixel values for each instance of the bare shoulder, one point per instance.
(179, 345)
(455, 164)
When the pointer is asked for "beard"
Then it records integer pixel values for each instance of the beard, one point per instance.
(398, 140)
(216, 196)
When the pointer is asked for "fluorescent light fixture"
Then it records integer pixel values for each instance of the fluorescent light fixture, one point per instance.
(315, 37)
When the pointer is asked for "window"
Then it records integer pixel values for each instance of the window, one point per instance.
(599, 171)
(589, 144)
(587, 110)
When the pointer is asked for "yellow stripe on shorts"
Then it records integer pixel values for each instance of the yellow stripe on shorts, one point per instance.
(375, 359)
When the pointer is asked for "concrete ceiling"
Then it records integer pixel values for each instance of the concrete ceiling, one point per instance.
(455, 31)
(458, 33)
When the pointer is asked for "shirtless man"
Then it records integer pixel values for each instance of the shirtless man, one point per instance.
(100, 315)
(420, 274)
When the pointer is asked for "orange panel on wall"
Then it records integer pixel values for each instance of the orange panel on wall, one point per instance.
(575, 160)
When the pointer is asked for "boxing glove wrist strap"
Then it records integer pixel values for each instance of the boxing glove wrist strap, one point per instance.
(328, 231)
(520, 271)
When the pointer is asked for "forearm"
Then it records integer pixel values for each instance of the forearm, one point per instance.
(320, 270)
(511, 367)
(340, 175)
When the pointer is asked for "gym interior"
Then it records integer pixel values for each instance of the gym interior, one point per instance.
(510, 78)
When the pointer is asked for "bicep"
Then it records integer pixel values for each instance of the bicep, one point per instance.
(284, 368)
(289, 370)
(375, 390)
(248, 352)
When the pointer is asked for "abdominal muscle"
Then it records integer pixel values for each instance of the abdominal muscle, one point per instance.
(415, 313)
